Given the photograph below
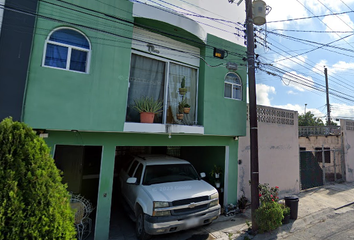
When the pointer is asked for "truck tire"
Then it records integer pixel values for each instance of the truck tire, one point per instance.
(139, 225)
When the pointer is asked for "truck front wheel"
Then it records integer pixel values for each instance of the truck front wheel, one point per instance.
(139, 226)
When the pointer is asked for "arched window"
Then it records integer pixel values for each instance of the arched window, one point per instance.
(233, 86)
(67, 49)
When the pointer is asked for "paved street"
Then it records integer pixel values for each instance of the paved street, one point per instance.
(338, 226)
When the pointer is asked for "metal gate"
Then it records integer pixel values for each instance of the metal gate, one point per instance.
(321, 166)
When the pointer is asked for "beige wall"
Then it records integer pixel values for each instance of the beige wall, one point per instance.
(332, 142)
(348, 141)
(278, 152)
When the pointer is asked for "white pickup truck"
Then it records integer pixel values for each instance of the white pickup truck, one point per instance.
(167, 195)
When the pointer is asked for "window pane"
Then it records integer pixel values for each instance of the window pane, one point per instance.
(56, 56)
(70, 37)
(236, 92)
(78, 60)
(232, 78)
(147, 78)
(188, 95)
(227, 92)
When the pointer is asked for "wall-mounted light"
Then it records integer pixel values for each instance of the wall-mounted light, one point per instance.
(219, 53)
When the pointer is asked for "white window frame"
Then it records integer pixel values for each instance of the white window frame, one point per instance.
(70, 48)
(166, 81)
(232, 86)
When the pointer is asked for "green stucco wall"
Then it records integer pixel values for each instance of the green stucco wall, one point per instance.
(220, 115)
(59, 99)
(63, 100)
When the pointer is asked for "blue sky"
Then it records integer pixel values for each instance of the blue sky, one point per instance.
(290, 50)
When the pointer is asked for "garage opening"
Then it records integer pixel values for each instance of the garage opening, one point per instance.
(202, 158)
(81, 171)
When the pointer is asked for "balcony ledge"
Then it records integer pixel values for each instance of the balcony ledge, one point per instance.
(162, 128)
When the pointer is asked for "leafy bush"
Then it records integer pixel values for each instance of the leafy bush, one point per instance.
(34, 204)
(268, 194)
(286, 210)
(269, 216)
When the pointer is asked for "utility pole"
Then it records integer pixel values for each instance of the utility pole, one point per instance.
(305, 108)
(327, 97)
(252, 114)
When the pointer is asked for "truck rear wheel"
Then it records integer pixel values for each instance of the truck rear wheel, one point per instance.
(139, 225)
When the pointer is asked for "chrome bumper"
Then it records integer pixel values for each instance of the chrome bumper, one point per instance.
(183, 222)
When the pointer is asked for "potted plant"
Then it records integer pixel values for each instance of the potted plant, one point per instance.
(148, 107)
(186, 108)
(216, 172)
(183, 89)
(180, 110)
(217, 183)
(242, 203)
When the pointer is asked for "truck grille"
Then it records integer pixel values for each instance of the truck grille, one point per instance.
(188, 201)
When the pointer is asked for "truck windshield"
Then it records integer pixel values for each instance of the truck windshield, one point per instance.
(169, 173)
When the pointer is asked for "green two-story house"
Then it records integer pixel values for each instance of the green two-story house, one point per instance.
(92, 60)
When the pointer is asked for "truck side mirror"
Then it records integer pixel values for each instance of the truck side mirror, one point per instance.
(132, 180)
(202, 175)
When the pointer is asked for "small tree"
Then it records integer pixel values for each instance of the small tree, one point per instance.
(309, 119)
(34, 204)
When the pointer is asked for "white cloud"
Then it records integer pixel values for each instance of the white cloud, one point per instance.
(319, 67)
(339, 110)
(338, 23)
(338, 67)
(291, 62)
(341, 66)
(282, 10)
(297, 81)
(301, 109)
(263, 92)
(291, 92)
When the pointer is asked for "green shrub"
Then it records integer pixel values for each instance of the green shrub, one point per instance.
(34, 204)
(269, 216)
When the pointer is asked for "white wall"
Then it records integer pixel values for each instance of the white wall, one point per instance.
(2, 3)
(348, 142)
(278, 152)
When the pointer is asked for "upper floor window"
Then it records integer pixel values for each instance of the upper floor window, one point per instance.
(172, 83)
(233, 86)
(67, 49)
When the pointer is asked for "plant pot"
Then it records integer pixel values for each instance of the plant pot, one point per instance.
(179, 116)
(217, 175)
(182, 91)
(186, 110)
(286, 219)
(217, 184)
(147, 117)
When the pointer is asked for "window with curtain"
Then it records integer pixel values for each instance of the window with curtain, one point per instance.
(233, 86)
(67, 49)
(149, 78)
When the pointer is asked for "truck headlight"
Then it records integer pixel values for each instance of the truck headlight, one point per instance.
(158, 212)
(215, 199)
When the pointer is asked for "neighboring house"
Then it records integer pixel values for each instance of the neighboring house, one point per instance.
(89, 62)
(321, 155)
(16, 35)
(278, 152)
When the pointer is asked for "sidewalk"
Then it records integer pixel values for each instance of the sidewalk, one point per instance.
(315, 205)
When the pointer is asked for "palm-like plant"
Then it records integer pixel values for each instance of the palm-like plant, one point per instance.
(148, 104)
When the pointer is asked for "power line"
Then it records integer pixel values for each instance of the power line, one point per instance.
(315, 16)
